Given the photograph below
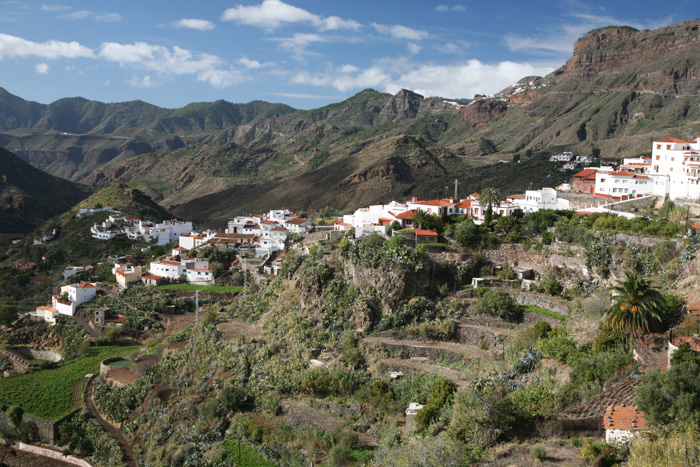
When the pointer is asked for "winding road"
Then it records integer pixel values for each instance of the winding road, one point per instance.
(124, 444)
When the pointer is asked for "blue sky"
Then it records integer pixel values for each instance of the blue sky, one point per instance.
(305, 53)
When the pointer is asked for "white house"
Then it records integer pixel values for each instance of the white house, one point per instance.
(193, 240)
(298, 225)
(536, 200)
(622, 185)
(622, 423)
(77, 295)
(505, 209)
(675, 168)
(198, 272)
(46, 313)
(562, 157)
(167, 269)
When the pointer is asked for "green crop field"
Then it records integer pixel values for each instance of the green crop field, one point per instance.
(248, 455)
(201, 288)
(46, 393)
(544, 312)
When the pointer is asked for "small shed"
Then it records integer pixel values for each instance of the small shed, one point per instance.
(411, 413)
(622, 423)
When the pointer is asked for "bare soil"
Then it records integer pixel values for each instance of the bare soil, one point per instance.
(559, 453)
(235, 327)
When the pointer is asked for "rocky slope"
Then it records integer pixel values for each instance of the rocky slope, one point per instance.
(29, 196)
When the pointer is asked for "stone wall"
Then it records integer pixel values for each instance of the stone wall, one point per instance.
(51, 454)
(28, 352)
(46, 429)
(516, 256)
(405, 351)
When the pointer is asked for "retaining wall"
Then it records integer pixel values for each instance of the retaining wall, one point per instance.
(543, 301)
(46, 429)
(51, 454)
(28, 352)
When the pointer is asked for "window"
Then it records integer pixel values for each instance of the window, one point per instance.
(658, 146)
(672, 158)
(658, 157)
(671, 169)
(668, 147)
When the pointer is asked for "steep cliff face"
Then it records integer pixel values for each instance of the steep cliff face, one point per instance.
(668, 56)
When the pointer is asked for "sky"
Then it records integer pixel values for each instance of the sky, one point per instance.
(304, 53)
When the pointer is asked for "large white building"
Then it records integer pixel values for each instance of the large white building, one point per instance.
(536, 200)
(621, 185)
(675, 168)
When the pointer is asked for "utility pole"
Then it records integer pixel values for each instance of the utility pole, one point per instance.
(456, 183)
(196, 305)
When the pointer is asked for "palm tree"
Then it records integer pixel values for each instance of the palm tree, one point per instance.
(421, 218)
(490, 197)
(637, 306)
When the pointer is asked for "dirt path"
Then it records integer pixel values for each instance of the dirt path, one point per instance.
(124, 444)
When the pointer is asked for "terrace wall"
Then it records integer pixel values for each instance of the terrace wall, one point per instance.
(46, 429)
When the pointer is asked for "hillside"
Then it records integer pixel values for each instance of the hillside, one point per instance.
(72, 136)
(621, 89)
(29, 196)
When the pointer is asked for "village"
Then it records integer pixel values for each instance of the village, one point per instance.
(259, 249)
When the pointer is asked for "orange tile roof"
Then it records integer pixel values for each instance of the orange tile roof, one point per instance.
(86, 285)
(297, 221)
(152, 277)
(171, 263)
(622, 417)
(475, 195)
(626, 174)
(670, 140)
(516, 197)
(467, 203)
(407, 215)
(47, 308)
(436, 202)
(426, 233)
(585, 173)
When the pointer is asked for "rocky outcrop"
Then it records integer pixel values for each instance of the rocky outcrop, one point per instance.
(617, 50)
(484, 111)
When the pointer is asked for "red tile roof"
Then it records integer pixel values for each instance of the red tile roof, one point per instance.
(171, 263)
(516, 197)
(670, 140)
(694, 343)
(426, 233)
(586, 173)
(466, 204)
(152, 277)
(86, 285)
(407, 215)
(622, 417)
(47, 308)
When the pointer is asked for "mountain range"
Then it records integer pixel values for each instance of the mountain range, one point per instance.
(621, 89)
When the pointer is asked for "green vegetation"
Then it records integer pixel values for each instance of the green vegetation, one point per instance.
(240, 453)
(545, 312)
(47, 393)
(202, 288)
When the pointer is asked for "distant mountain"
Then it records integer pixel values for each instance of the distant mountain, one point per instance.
(29, 196)
(621, 89)
(73, 136)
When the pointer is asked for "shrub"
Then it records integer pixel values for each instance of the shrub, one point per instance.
(14, 414)
(501, 304)
(539, 452)
(602, 454)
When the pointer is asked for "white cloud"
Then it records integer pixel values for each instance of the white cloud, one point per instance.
(221, 79)
(271, 14)
(83, 14)
(298, 42)
(144, 82)
(444, 8)
(414, 49)
(42, 68)
(175, 61)
(12, 46)
(200, 24)
(80, 14)
(398, 31)
(454, 81)
(45, 7)
(561, 40)
(109, 17)
(248, 63)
